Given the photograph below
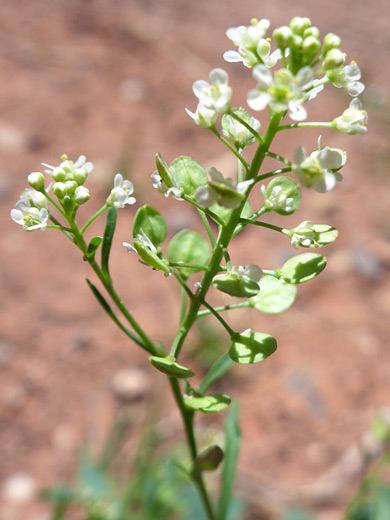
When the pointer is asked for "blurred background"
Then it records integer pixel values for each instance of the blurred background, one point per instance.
(111, 79)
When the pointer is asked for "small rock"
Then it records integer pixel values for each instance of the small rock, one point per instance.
(130, 384)
(19, 488)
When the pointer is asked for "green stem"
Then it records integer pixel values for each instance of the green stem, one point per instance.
(187, 416)
(89, 222)
(57, 206)
(242, 305)
(183, 305)
(189, 266)
(266, 225)
(272, 174)
(279, 158)
(58, 226)
(233, 150)
(306, 125)
(199, 208)
(213, 311)
(207, 227)
(247, 126)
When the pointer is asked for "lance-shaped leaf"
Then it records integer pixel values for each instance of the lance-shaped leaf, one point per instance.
(168, 366)
(218, 370)
(188, 247)
(190, 174)
(107, 238)
(207, 403)
(252, 347)
(274, 296)
(93, 247)
(149, 221)
(302, 268)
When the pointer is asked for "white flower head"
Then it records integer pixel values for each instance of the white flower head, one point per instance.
(69, 170)
(278, 199)
(247, 39)
(281, 92)
(223, 191)
(251, 272)
(347, 77)
(353, 120)
(318, 170)
(34, 199)
(239, 134)
(303, 235)
(120, 193)
(30, 217)
(203, 116)
(215, 95)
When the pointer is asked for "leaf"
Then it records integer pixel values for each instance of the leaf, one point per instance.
(302, 268)
(275, 295)
(93, 247)
(231, 450)
(208, 403)
(152, 223)
(190, 174)
(107, 238)
(218, 370)
(168, 366)
(252, 347)
(209, 459)
(188, 247)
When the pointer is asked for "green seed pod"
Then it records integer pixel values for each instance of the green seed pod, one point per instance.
(163, 171)
(235, 285)
(149, 257)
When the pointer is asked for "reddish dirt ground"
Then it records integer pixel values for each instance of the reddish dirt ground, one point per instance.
(111, 80)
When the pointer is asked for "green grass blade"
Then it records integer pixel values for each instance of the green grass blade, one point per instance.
(107, 238)
(218, 370)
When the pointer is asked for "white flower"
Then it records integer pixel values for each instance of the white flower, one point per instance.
(278, 199)
(251, 272)
(348, 78)
(34, 199)
(31, 218)
(221, 190)
(120, 193)
(317, 170)
(353, 120)
(247, 39)
(282, 92)
(69, 170)
(203, 116)
(237, 132)
(303, 235)
(215, 95)
(160, 185)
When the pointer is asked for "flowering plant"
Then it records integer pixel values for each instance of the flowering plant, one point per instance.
(307, 64)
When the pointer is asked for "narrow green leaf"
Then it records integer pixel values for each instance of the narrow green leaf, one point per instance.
(208, 403)
(275, 295)
(107, 238)
(152, 223)
(218, 370)
(231, 450)
(111, 314)
(93, 247)
(188, 247)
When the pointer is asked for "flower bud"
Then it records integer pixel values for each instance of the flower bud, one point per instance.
(59, 189)
(58, 174)
(312, 31)
(80, 175)
(237, 132)
(70, 187)
(163, 171)
(282, 37)
(298, 25)
(81, 195)
(36, 180)
(333, 59)
(310, 48)
(331, 41)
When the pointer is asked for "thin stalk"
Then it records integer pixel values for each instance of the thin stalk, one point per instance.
(89, 222)
(207, 211)
(306, 125)
(213, 311)
(189, 266)
(272, 174)
(247, 126)
(264, 224)
(58, 226)
(57, 206)
(187, 416)
(233, 150)
(183, 305)
(240, 173)
(242, 305)
(207, 227)
(279, 158)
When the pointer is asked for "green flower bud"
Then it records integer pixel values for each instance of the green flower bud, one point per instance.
(59, 189)
(296, 42)
(312, 31)
(36, 180)
(70, 187)
(235, 131)
(298, 25)
(81, 195)
(282, 37)
(80, 175)
(58, 174)
(331, 41)
(333, 59)
(310, 48)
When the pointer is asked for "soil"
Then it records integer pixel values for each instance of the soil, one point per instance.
(111, 80)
